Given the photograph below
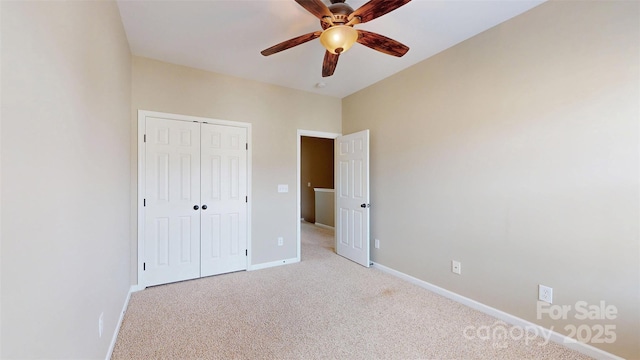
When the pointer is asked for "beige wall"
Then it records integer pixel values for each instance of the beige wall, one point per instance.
(316, 167)
(275, 114)
(66, 93)
(516, 153)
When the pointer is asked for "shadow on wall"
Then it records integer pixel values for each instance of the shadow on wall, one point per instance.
(316, 171)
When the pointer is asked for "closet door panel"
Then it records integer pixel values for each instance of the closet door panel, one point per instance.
(172, 189)
(224, 191)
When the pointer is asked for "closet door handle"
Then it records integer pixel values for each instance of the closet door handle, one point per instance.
(204, 207)
(196, 207)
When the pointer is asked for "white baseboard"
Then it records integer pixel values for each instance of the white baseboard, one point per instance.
(136, 288)
(324, 226)
(272, 264)
(132, 289)
(506, 317)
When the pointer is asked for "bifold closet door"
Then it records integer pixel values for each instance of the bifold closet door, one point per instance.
(224, 193)
(172, 197)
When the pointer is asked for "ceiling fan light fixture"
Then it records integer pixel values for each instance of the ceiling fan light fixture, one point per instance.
(339, 38)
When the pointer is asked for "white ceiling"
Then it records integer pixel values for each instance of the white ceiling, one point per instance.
(226, 37)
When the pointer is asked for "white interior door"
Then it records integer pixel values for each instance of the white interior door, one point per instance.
(172, 190)
(352, 196)
(224, 202)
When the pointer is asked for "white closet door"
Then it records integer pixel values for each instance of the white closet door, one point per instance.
(224, 191)
(172, 192)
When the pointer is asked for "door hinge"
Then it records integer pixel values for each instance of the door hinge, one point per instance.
(247, 146)
(246, 252)
(144, 202)
(145, 138)
(144, 266)
(246, 199)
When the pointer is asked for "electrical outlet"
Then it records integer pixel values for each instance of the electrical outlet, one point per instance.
(283, 188)
(545, 294)
(377, 244)
(456, 267)
(280, 241)
(101, 324)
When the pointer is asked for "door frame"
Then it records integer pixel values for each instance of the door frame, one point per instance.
(142, 115)
(309, 133)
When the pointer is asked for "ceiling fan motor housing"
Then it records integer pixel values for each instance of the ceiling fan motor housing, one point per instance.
(340, 11)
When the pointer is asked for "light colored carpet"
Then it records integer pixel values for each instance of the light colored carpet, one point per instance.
(323, 307)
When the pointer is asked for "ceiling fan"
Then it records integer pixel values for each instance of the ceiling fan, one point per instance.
(338, 34)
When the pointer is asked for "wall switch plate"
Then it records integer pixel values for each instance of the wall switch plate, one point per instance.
(283, 188)
(456, 267)
(545, 294)
(101, 324)
(308, 184)
(280, 241)
(377, 243)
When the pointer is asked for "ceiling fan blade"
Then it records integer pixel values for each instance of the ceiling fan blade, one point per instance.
(382, 43)
(329, 63)
(376, 8)
(316, 7)
(291, 43)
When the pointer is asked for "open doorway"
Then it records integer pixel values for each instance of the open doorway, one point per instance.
(315, 179)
